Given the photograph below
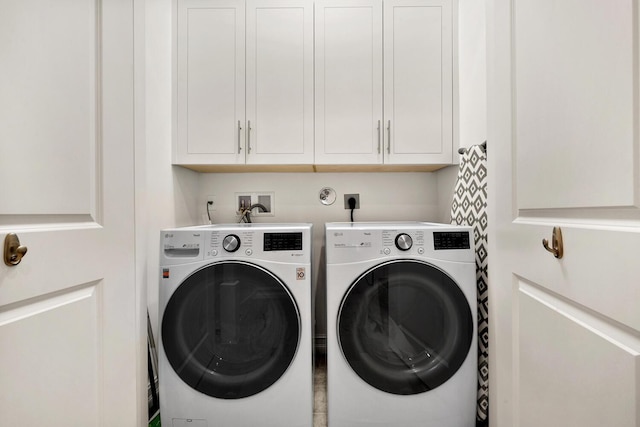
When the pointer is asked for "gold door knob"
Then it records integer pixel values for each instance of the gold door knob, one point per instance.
(557, 247)
(13, 251)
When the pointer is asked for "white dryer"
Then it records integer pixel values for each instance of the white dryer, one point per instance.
(236, 320)
(401, 322)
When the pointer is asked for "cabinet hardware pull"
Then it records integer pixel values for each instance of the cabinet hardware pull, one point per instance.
(389, 137)
(239, 137)
(249, 137)
(557, 247)
(378, 136)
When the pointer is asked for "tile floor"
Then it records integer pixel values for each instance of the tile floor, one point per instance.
(320, 392)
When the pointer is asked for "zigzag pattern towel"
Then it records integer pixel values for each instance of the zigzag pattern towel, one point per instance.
(469, 208)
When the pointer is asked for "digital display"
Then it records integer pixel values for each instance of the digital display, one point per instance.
(282, 242)
(451, 240)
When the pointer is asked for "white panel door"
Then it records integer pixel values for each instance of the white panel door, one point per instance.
(418, 75)
(68, 326)
(280, 81)
(348, 82)
(564, 85)
(210, 82)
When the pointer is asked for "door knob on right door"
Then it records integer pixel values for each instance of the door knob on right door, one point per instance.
(13, 251)
(557, 247)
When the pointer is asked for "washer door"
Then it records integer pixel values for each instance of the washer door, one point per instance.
(405, 327)
(231, 329)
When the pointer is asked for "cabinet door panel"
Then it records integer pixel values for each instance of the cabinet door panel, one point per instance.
(210, 82)
(348, 82)
(280, 81)
(418, 81)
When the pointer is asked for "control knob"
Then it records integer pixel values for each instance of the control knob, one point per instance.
(231, 243)
(404, 242)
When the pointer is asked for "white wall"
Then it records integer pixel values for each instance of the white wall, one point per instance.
(472, 93)
(170, 191)
(472, 70)
(445, 182)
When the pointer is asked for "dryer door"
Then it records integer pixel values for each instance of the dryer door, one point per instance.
(405, 327)
(231, 329)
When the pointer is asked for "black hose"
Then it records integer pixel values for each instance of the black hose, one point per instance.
(252, 207)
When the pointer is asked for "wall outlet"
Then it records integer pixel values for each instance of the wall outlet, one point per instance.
(211, 203)
(348, 196)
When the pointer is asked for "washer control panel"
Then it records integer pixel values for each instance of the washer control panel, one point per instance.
(282, 241)
(285, 243)
(404, 242)
(231, 243)
(280, 245)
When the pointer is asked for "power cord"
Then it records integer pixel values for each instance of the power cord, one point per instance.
(352, 205)
(209, 203)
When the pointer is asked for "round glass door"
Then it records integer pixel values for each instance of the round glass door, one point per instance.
(231, 329)
(405, 327)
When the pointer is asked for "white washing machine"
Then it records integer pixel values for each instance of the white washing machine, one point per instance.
(401, 322)
(236, 319)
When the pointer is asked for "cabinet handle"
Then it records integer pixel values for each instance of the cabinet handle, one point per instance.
(378, 136)
(239, 137)
(249, 136)
(389, 137)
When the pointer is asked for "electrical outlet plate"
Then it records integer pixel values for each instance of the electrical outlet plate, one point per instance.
(248, 198)
(348, 196)
(213, 206)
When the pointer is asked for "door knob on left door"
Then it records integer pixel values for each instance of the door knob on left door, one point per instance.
(13, 250)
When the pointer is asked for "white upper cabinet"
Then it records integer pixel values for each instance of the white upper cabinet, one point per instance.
(418, 81)
(348, 82)
(384, 86)
(220, 123)
(265, 82)
(279, 82)
(210, 84)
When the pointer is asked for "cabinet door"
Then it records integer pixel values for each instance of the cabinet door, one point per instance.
(210, 83)
(418, 70)
(348, 82)
(279, 82)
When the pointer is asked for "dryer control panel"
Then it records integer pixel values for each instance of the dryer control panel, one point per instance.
(352, 242)
(443, 240)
